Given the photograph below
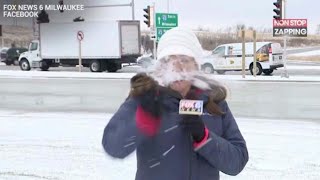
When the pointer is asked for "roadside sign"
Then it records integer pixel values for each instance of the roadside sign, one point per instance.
(80, 35)
(160, 32)
(166, 20)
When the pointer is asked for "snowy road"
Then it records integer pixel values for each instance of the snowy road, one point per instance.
(67, 146)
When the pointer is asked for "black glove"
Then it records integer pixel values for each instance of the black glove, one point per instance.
(148, 94)
(150, 101)
(194, 125)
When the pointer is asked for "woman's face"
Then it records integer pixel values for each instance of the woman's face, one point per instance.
(184, 64)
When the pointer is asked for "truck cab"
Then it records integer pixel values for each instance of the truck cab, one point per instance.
(31, 57)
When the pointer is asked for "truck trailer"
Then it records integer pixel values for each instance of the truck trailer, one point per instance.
(105, 45)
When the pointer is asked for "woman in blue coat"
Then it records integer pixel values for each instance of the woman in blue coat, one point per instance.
(170, 145)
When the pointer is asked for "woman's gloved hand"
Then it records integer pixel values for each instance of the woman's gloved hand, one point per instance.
(194, 125)
(146, 90)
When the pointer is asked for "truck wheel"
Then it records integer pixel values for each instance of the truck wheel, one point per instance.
(268, 71)
(221, 71)
(95, 66)
(112, 67)
(258, 69)
(24, 65)
(44, 66)
(208, 69)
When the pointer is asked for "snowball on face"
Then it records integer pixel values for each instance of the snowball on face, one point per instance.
(175, 68)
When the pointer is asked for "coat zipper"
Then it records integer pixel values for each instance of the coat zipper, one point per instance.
(190, 159)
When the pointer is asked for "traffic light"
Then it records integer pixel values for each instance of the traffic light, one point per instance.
(43, 17)
(78, 19)
(147, 16)
(278, 10)
(61, 3)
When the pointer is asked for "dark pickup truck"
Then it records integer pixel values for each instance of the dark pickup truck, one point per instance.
(12, 55)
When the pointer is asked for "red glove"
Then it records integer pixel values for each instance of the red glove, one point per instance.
(146, 122)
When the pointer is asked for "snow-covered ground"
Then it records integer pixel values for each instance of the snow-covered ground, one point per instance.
(309, 53)
(68, 146)
(301, 67)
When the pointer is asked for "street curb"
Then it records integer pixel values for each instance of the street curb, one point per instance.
(116, 76)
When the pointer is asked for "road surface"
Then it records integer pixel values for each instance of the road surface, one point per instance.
(272, 99)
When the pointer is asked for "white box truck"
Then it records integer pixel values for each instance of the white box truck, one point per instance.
(105, 45)
(228, 57)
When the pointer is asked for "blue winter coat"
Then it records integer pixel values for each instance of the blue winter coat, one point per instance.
(170, 154)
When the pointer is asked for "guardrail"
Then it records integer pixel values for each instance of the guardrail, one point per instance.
(248, 98)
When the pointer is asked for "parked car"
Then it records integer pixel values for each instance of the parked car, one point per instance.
(12, 55)
(145, 60)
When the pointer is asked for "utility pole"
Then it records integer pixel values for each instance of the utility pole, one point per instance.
(132, 6)
(34, 25)
(243, 36)
(1, 36)
(15, 20)
(168, 6)
(254, 53)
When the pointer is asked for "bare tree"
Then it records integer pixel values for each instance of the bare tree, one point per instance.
(240, 27)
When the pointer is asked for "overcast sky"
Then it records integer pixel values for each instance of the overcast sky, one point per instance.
(213, 14)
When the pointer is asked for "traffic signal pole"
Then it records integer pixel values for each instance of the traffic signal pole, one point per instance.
(112, 5)
(281, 14)
(155, 31)
(115, 5)
(284, 15)
(150, 22)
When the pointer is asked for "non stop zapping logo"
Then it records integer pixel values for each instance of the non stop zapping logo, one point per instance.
(290, 27)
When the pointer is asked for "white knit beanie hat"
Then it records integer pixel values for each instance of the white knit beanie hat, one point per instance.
(179, 41)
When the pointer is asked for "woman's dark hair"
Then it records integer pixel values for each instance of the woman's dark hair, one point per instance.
(216, 95)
